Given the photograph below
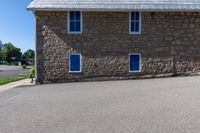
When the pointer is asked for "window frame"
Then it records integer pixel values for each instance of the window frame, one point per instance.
(68, 23)
(69, 62)
(140, 63)
(140, 23)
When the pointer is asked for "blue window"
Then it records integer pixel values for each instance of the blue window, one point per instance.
(134, 62)
(135, 23)
(75, 22)
(75, 63)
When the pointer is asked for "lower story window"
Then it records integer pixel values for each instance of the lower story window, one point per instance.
(75, 63)
(134, 62)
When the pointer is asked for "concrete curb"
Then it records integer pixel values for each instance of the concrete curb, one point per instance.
(25, 82)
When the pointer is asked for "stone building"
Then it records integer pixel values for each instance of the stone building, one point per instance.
(88, 40)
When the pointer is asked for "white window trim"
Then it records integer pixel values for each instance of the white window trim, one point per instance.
(68, 24)
(140, 62)
(140, 23)
(70, 64)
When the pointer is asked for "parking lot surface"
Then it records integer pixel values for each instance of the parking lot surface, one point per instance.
(169, 105)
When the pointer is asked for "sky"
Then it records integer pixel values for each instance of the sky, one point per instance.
(17, 24)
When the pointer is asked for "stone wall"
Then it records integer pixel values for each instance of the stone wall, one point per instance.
(169, 45)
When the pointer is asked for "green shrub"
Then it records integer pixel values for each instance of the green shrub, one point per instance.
(4, 63)
(23, 66)
(32, 73)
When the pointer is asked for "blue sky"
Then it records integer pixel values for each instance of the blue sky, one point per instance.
(17, 24)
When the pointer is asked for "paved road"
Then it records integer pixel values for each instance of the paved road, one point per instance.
(9, 67)
(170, 105)
(11, 71)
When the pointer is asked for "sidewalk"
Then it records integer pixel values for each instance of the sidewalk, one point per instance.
(8, 86)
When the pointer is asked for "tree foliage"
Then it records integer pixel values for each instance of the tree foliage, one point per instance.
(10, 53)
(29, 54)
(1, 44)
(28, 57)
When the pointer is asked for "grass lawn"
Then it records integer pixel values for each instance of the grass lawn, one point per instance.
(27, 67)
(13, 79)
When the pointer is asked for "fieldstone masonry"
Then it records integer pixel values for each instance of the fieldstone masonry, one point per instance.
(169, 44)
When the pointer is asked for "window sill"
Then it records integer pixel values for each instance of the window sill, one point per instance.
(135, 71)
(71, 72)
(74, 33)
(135, 33)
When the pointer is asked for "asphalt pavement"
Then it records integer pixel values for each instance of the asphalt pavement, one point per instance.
(169, 105)
(11, 71)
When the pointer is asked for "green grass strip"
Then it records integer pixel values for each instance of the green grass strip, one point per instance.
(4, 81)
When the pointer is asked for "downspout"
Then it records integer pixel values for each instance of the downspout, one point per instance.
(82, 57)
(82, 45)
(35, 23)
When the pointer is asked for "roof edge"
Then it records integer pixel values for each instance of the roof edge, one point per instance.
(112, 10)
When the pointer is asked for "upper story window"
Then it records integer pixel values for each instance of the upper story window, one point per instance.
(75, 22)
(135, 23)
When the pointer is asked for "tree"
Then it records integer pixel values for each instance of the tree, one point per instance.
(0, 56)
(10, 53)
(1, 44)
(28, 56)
